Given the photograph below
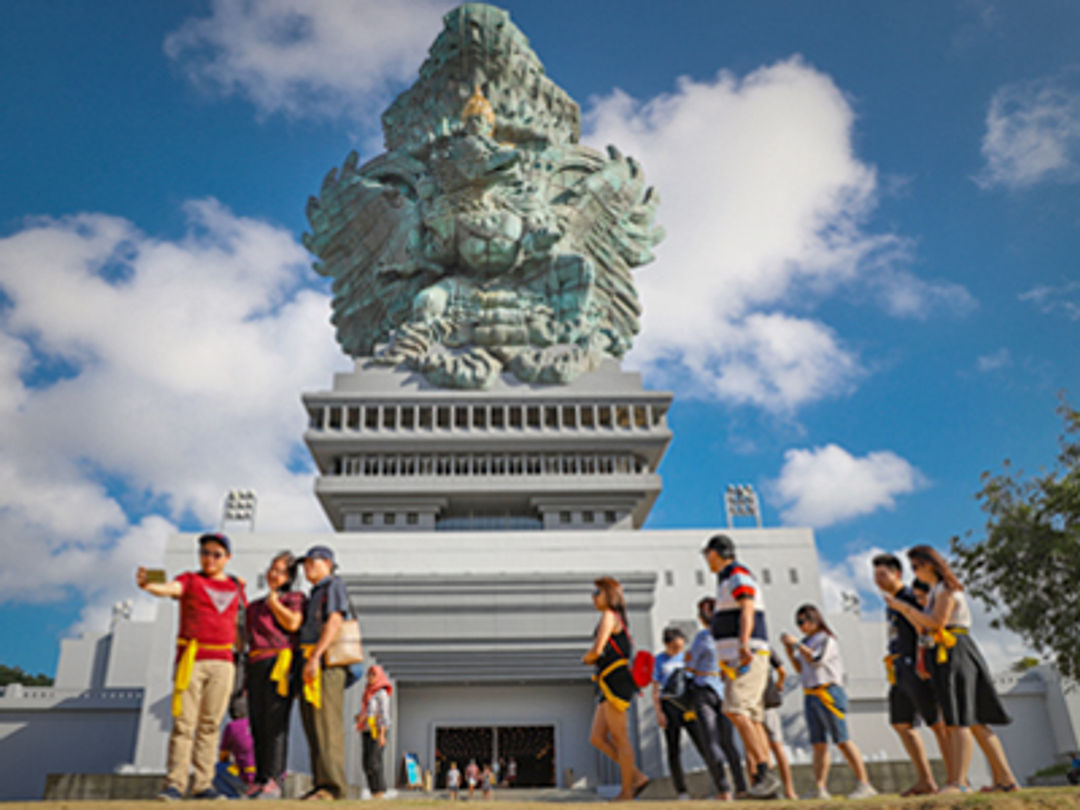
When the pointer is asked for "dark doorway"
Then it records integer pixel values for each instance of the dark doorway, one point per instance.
(525, 754)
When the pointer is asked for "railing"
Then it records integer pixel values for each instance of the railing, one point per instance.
(383, 465)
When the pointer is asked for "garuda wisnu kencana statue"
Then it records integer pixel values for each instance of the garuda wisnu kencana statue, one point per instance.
(486, 239)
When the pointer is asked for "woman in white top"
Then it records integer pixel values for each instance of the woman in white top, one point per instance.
(962, 683)
(817, 660)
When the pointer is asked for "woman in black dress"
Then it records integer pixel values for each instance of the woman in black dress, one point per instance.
(962, 682)
(610, 654)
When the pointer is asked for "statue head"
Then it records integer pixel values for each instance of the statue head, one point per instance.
(478, 115)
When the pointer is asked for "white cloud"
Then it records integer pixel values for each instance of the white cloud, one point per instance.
(184, 364)
(1051, 299)
(826, 485)
(309, 57)
(994, 361)
(764, 201)
(1033, 133)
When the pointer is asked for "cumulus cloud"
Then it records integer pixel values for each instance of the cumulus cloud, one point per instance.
(316, 57)
(181, 364)
(765, 204)
(1033, 133)
(994, 361)
(826, 485)
(1056, 298)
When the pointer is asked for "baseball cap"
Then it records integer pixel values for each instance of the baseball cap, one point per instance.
(216, 537)
(721, 544)
(319, 553)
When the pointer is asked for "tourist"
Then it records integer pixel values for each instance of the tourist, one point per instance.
(910, 696)
(674, 706)
(511, 772)
(772, 726)
(235, 773)
(610, 654)
(817, 660)
(742, 647)
(472, 776)
(323, 704)
(272, 625)
(707, 692)
(453, 781)
(205, 669)
(962, 683)
(487, 782)
(373, 723)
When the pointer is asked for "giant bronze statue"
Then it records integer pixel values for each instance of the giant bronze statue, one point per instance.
(486, 239)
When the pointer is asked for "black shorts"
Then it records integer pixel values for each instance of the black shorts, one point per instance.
(911, 695)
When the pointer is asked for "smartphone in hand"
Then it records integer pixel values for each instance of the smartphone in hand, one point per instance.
(155, 576)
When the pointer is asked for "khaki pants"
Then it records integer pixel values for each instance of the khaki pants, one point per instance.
(203, 706)
(325, 731)
(746, 693)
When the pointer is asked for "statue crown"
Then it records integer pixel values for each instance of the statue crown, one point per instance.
(478, 105)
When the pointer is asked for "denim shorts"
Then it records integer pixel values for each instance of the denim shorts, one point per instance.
(822, 723)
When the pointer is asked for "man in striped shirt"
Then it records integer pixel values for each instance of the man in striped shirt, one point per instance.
(742, 648)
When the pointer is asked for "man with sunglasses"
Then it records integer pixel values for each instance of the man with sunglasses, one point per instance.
(205, 669)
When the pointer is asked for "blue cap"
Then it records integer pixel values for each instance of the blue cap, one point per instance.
(319, 553)
(216, 537)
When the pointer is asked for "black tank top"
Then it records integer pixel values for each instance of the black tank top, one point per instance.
(616, 649)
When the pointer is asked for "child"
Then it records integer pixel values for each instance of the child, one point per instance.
(817, 660)
(205, 669)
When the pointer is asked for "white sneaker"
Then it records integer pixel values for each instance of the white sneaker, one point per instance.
(817, 793)
(683, 797)
(863, 790)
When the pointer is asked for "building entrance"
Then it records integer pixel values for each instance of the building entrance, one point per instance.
(525, 754)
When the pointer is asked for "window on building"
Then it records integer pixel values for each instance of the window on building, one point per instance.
(699, 577)
(587, 517)
(551, 416)
(354, 418)
(588, 416)
(461, 417)
(611, 517)
(515, 417)
(411, 518)
(641, 418)
(315, 418)
(389, 519)
(532, 416)
(444, 417)
(335, 418)
(793, 573)
(622, 416)
(367, 518)
(766, 577)
(604, 414)
(498, 416)
(389, 417)
(371, 418)
(408, 418)
(669, 578)
(564, 517)
(479, 416)
(425, 418)
(569, 416)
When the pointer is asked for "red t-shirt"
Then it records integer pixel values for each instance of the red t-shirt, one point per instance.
(208, 614)
(264, 632)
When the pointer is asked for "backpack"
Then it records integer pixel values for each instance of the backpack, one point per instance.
(676, 685)
(643, 663)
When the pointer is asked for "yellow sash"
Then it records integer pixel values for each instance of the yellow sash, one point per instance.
(731, 672)
(185, 666)
(822, 694)
(611, 697)
(945, 638)
(890, 667)
(312, 689)
(280, 673)
(373, 727)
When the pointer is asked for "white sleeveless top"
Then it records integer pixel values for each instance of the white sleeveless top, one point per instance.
(961, 613)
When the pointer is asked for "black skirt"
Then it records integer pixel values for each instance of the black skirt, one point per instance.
(964, 688)
(617, 687)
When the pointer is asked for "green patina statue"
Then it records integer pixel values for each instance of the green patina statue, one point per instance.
(486, 239)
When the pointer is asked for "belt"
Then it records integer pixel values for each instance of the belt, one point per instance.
(731, 672)
(312, 689)
(945, 638)
(185, 666)
(890, 667)
(822, 693)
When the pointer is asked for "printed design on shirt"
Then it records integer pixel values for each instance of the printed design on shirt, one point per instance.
(221, 600)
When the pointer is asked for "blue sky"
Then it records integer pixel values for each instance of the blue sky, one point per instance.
(875, 208)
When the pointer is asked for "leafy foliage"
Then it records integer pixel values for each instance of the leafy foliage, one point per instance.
(1028, 565)
(9, 675)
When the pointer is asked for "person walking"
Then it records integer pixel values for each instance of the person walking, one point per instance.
(373, 723)
(959, 674)
(472, 776)
(610, 654)
(910, 696)
(817, 660)
(453, 781)
(323, 704)
(205, 671)
(742, 648)
(673, 702)
(272, 625)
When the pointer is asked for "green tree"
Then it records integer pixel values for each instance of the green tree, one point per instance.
(1027, 567)
(9, 675)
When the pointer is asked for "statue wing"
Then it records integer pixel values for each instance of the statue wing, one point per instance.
(607, 214)
(365, 230)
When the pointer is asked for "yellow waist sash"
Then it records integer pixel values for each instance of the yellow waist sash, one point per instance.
(373, 727)
(312, 689)
(611, 697)
(280, 673)
(731, 672)
(890, 667)
(185, 666)
(822, 694)
(945, 638)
